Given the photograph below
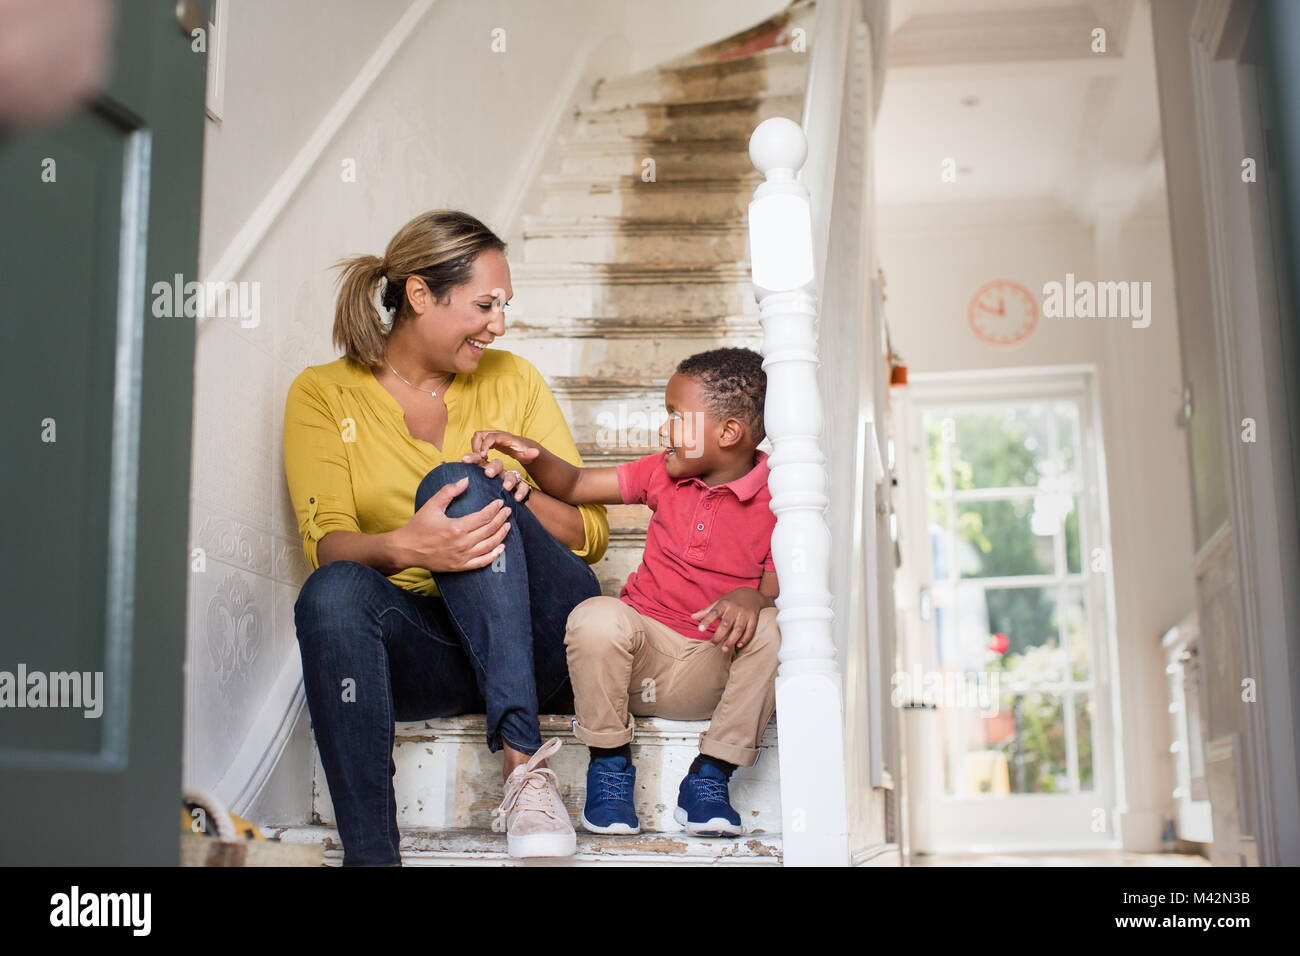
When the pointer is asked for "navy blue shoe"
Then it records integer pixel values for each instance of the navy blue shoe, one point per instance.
(703, 806)
(609, 809)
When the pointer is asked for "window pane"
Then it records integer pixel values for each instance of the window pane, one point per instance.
(1018, 749)
(962, 628)
(1033, 740)
(1067, 436)
(1073, 558)
(940, 540)
(999, 448)
(1083, 734)
(975, 760)
(999, 538)
(1078, 636)
(1023, 635)
(936, 468)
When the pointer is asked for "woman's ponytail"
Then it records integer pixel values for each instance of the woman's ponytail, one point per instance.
(357, 328)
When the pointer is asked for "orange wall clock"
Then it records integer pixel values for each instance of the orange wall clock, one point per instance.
(1002, 313)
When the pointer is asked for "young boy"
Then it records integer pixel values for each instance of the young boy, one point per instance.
(693, 632)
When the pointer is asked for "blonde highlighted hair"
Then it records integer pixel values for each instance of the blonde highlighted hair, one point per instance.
(439, 246)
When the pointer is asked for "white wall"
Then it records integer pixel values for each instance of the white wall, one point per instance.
(934, 258)
(448, 123)
(304, 55)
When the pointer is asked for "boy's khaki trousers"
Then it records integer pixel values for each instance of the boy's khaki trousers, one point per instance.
(624, 664)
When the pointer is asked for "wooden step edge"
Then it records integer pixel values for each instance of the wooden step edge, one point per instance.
(569, 226)
(656, 273)
(594, 457)
(571, 143)
(630, 182)
(760, 60)
(581, 387)
(421, 847)
(710, 102)
(649, 731)
(618, 327)
(593, 111)
(789, 77)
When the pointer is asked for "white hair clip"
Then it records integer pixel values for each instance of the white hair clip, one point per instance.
(386, 316)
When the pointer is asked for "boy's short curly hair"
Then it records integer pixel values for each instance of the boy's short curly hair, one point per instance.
(734, 382)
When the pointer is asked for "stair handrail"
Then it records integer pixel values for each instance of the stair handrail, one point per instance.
(823, 114)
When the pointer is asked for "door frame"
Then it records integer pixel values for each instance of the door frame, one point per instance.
(119, 805)
(1236, 117)
(1076, 383)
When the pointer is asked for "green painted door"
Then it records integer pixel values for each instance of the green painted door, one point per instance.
(95, 466)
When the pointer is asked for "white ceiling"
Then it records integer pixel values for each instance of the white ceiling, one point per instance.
(1011, 91)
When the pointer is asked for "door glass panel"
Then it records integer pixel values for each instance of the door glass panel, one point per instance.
(999, 447)
(1004, 509)
(1027, 619)
(1035, 745)
(1073, 558)
(1083, 736)
(1001, 539)
(1077, 634)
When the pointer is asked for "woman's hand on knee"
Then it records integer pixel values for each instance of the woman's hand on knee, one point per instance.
(437, 542)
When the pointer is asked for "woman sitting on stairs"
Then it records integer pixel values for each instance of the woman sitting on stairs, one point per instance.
(436, 590)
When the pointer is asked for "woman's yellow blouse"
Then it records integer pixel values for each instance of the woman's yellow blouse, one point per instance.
(352, 465)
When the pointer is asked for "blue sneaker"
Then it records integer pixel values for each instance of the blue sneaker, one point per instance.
(703, 806)
(609, 809)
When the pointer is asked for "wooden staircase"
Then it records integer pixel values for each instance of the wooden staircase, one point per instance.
(636, 259)
(639, 256)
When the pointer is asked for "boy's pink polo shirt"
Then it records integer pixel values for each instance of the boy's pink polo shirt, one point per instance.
(702, 542)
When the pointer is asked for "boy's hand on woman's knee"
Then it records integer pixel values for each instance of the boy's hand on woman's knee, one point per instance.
(521, 449)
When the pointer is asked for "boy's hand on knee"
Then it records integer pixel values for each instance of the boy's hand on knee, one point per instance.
(737, 615)
(520, 449)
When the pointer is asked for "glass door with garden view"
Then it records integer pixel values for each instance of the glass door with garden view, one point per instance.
(1008, 538)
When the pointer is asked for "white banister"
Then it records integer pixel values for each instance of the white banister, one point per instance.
(809, 700)
(823, 105)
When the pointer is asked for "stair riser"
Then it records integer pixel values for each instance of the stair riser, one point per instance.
(482, 848)
(699, 124)
(668, 299)
(613, 421)
(656, 200)
(654, 248)
(669, 162)
(622, 557)
(785, 80)
(785, 72)
(655, 356)
(450, 781)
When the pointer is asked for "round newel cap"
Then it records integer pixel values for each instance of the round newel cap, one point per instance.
(778, 143)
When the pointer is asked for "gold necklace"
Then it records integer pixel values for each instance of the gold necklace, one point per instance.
(416, 387)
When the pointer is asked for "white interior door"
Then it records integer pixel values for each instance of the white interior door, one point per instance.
(1005, 543)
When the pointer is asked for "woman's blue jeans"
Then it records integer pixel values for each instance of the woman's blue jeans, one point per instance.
(374, 653)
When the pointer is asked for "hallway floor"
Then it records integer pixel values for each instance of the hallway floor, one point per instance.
(1058, 858)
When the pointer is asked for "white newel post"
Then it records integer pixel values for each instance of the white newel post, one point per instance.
(809, 701)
